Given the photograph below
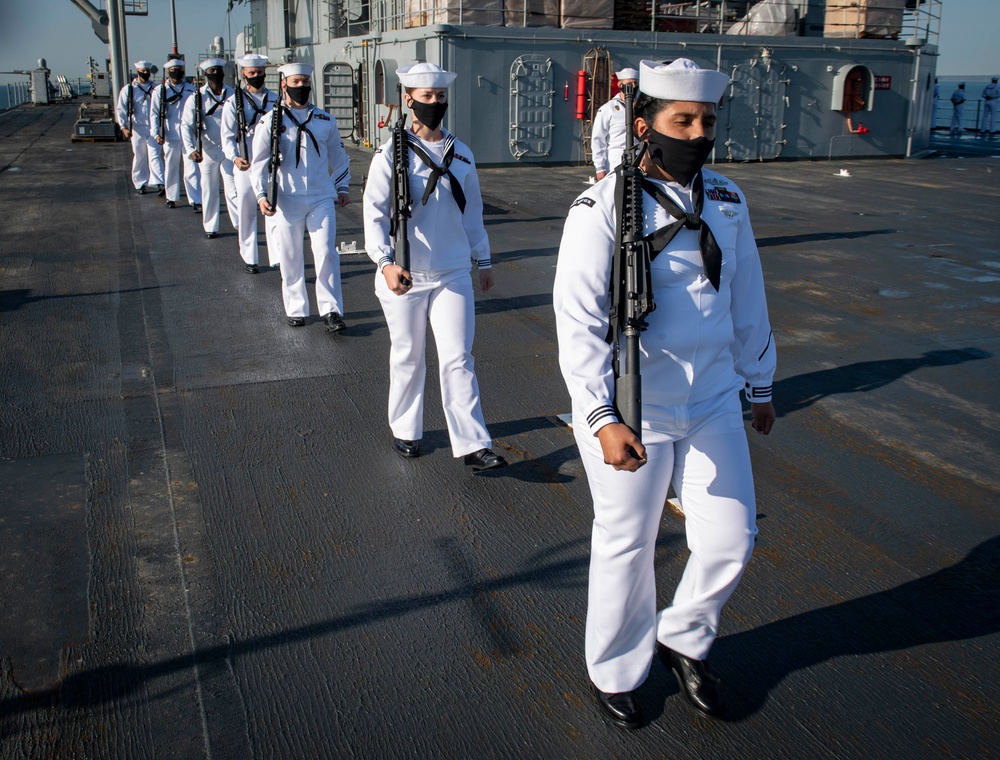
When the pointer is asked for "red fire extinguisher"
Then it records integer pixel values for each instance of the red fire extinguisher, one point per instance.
(581, 95)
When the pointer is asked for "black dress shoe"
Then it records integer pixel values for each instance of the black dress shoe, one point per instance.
(196, 207)
(408, 449)
(296, 321)
(622, 709)
(171, 204)
(699, 685)
(160, 191)
(252, 268)
(334, 323)
(211, 235)
(142, 190)
(484, 459)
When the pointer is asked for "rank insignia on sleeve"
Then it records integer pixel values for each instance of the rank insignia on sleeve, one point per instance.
(726, 196)
(462, 158)
(322, 116)
(588, 202)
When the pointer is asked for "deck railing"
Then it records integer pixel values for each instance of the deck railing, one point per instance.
(892, 19)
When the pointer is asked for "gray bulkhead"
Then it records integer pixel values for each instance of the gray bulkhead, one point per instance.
(515, 100)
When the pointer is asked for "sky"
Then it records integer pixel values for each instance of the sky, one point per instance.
(59, 32)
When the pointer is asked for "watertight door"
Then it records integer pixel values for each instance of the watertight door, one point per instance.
(338, 95)
(531, 107)
(756, 112)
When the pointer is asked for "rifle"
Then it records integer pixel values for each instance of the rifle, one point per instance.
(400, 211)
(130, 106)
(631, 296)
(275, 159)
(241, 123)
(199, 119)
(161, 127)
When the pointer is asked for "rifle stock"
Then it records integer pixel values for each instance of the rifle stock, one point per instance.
(241, 122)
(130, 107)
(275, 159)
(400, 187)
(161, 126)
(199, 118)
(632, 299)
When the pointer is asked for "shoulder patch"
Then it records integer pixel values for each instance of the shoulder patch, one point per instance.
(377, 151)
(322, 116)
(726, 196)
(460, 157)
(588, 202)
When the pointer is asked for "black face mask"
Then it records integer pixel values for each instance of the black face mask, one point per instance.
(176, 76)
(681, 159)
(143, 77)
(429, 114)
(299, 94)
(256, 82)
(215, 78)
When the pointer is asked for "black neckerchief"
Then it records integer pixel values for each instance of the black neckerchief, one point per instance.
(175, 96)
(301, 128)
(215, 103)
(438, 171)
(146, 94)
(711, 254)
(257, 111)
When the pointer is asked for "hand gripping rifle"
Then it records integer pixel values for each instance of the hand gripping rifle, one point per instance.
(274, 162)
(161, 127)
(241, 122)
(631, 295)
(399, 219)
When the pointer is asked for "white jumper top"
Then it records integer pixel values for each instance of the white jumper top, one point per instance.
(176, 97)
(312, 178)
(607, 137)
(211, 111)
(441, 237)
(142, 99)
(700, 344)
(263, 101)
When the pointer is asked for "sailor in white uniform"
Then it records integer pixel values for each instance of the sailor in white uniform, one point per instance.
(313, 179)
(708, 338)
(958, 111)
(991, 93)
(135, 125)
(447, 236)
(171, 96)
(237, 145)
(212, 162)
(607, 138)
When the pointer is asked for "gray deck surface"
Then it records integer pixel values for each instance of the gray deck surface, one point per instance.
(209, 548)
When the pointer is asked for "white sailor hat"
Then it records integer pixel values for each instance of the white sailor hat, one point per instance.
(145, 65)
(209, 63)
(425, 75)
(682, 79)
(627, 73)
(296, 69)
(252, 61)
(172, 63)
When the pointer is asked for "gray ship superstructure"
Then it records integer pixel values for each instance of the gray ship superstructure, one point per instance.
(811, 78)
